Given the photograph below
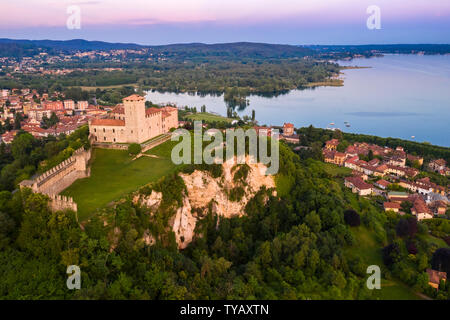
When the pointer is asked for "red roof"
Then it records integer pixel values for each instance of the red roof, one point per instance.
(107, 122)
(152, 110)
(358, 183)
(383, 183)
(436, 276)
(391, 205)
(288, 125)
(134, 97)
(333, 142)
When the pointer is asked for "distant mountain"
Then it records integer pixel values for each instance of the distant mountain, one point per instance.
(75, 44)
(238, 49)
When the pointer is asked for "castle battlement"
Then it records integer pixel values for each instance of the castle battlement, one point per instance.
(60, 177)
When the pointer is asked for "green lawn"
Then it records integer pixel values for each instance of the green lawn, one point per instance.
(440, 243)
(335, 170)
(208, 117)
(367, 248)
(113, 175)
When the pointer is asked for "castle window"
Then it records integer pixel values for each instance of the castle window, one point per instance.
(95, 130)
(114, 130)
(104, 138)
(114, 139)
(103, 129)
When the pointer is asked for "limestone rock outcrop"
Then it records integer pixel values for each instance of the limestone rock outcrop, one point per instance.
(203, 190)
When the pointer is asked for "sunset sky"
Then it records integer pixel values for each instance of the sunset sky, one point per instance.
(212, 21)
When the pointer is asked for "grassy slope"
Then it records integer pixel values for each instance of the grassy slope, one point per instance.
(113, 175)
(205, 116)
(367, 248)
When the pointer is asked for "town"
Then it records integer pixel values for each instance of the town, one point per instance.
(384, 171)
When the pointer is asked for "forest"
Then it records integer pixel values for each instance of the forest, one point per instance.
(303, 243)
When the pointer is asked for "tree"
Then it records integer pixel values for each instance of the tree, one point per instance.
(134, 149)
(407, 227)
(370, 155)
(406, 206)
(441, 260)
(253, 115)
(352, 218)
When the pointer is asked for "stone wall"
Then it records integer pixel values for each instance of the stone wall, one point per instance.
(60, 177)
(58, 202)
(64, 174)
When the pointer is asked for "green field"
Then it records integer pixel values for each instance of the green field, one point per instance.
(367, 248)
(113, 175)
(207, 117)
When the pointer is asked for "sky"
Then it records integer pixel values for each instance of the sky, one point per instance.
(217, 21)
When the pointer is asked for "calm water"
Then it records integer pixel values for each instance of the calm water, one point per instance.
(399, 96)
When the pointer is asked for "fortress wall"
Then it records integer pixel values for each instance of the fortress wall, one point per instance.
(58, 202)
(60, 177)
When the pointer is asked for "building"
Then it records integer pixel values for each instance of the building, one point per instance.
(382, 184)
(391, 206)
(136, 124)
(53, 105)
(435, 277)
(332, 144)
(437, 165)
(420, 208)
(69, 104)
(332, 156)
(82, 105)
(438, 207)
(288, 129)
(358, 186)
(413, 159)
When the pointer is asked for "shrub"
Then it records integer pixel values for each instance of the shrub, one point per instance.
(134, 148)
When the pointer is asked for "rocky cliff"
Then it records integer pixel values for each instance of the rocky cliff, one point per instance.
(225, 196)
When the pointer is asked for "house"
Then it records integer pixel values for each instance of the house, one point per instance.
(360, 174)
(437, 165)
(82, 105)
(69, 104)
(438, 207)
(435, 277)
(263, 131)
(332, 144)
(8, 137)
(420, 208)
(382, 184)
(358, 186)
(288, 129)
(391, 206)
(332, 156)
(413, 159)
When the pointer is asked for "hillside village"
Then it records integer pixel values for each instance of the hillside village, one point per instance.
(385, 171)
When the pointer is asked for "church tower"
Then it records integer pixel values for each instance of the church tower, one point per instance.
(134, 108)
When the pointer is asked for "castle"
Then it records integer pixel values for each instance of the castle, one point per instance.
(133, 123)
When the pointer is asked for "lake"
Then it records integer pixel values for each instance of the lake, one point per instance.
(398, 96)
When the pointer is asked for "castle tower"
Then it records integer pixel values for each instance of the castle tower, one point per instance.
(134, 107)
